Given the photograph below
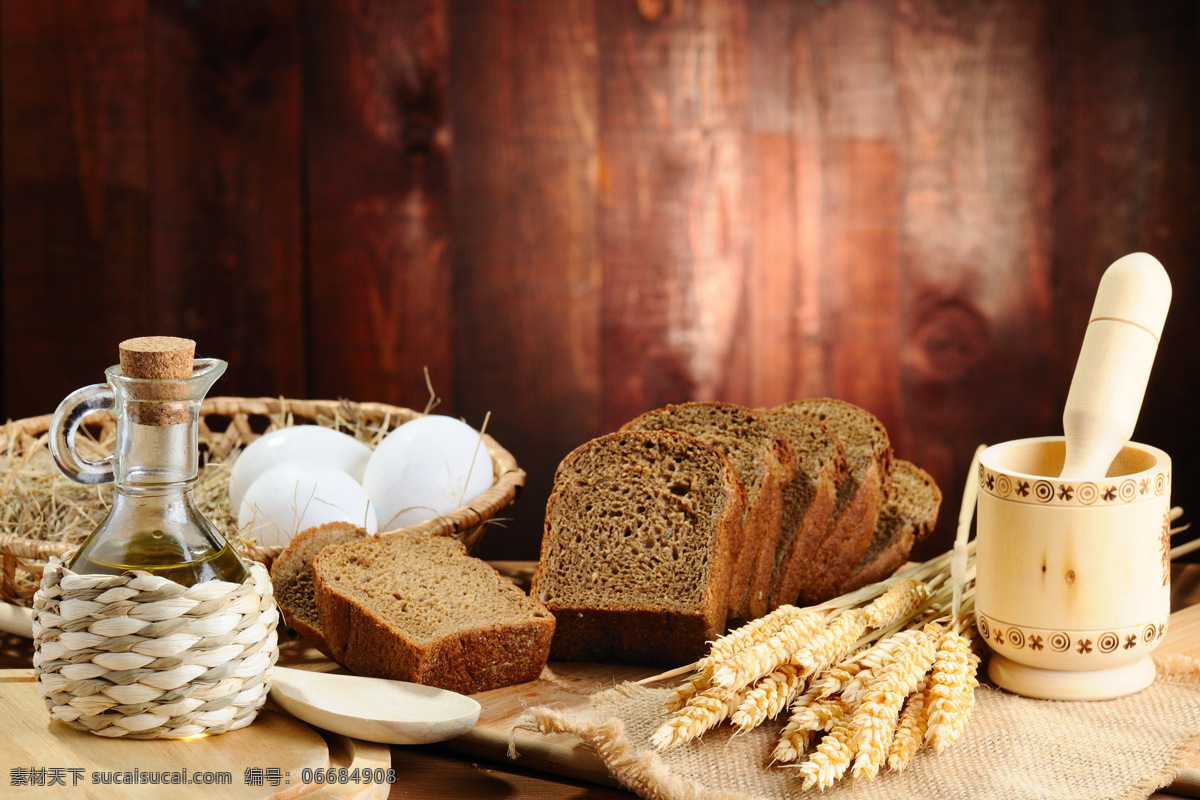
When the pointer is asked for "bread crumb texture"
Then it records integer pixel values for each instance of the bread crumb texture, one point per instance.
(637, 549)
(631, 524)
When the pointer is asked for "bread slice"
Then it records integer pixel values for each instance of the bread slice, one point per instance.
(417, 607)
(292, 577)
(906, 519)
(637, 548)
(860, 496)
(808, 500)
(764, 462)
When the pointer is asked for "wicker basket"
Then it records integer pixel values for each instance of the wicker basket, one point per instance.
(229, 422)
(138, 656)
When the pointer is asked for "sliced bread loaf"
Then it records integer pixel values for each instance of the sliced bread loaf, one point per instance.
(906, 518)
(764, 462)
(417, 607)
(637, 548)
(808, 500)
(860, 496)
(292, 577)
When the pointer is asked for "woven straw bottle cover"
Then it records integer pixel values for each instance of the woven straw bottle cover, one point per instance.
(155, 627)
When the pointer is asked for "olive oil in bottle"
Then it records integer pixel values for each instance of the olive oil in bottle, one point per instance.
(154, 524)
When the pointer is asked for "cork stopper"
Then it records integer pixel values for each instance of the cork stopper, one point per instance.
(160, 358)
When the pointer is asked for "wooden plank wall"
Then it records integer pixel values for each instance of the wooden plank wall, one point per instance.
(569, 212)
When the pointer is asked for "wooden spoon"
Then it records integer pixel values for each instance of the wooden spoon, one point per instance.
(372, 709)
(16, 619)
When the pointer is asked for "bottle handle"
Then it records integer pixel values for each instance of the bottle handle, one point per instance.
(65, 423)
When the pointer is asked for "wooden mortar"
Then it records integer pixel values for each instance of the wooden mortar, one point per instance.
(1072, 586)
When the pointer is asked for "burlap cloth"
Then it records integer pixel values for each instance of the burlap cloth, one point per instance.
(1013, 748)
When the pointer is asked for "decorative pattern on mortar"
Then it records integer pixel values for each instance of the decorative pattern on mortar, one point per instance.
(1002, 636)
(1049, 491)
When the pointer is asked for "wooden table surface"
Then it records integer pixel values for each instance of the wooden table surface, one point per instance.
(432, 772)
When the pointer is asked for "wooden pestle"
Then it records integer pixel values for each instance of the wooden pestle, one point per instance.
(1114, 364)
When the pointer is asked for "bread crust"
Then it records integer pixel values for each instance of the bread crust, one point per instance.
(762, 522)
(630, 636)
(908, 517)
(884, 563)
(754, 553)
(812, 498)
(861, 494)
(292, 578)
(475, 658)
(849, 536)
(794, 566)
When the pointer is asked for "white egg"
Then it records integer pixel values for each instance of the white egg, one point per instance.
(308, 444)
(292, 497)
(426, 467)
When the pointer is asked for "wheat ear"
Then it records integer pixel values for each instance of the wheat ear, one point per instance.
(876, 718)
(795, 737)
(910, 730)
(750, 634)
(684, 693)
(952, 685)
(742, 669)
(768, 697)
(832, 644)
(870, 662)
(703, 712)
(839, 676)
(819, 715)
(831, 758)
(793, 743)
(900, 600)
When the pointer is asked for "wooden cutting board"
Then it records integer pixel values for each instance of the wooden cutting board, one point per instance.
(46, 759)
(561, 685)
(568, 686)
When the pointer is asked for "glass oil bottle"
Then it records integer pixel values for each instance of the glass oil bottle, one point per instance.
(154, 524)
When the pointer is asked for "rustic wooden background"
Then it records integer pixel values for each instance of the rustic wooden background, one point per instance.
(571, 211)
